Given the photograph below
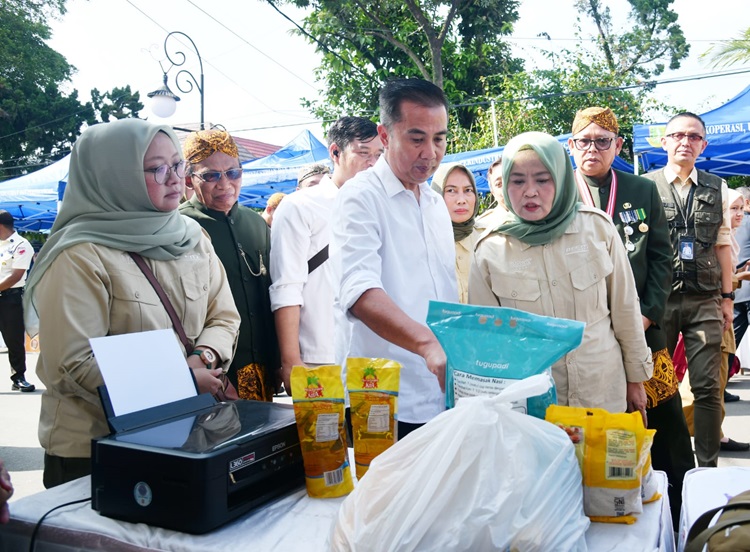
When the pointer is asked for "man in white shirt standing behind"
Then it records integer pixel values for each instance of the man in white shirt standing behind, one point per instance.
(302, 293)
(394, 248)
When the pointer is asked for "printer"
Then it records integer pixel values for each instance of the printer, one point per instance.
(194, 464)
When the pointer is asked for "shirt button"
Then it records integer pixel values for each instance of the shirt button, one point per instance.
(137, 294)
(205, 287)
(231, 221)
(514, 294)
(554, 282)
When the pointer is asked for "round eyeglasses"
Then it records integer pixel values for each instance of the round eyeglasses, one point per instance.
(162, 172)
(215, 176)
(601, 144)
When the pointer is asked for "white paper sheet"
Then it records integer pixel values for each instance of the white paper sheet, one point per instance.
(142, 370)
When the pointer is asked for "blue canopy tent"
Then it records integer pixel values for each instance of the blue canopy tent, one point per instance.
(32, 198)
(278, 172)
(727, 132)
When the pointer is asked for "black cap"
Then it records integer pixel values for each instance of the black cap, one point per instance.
(6, 219)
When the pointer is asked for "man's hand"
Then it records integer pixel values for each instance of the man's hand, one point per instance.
(436, 360)
(286, 372)
(636, 397)
(727, 311)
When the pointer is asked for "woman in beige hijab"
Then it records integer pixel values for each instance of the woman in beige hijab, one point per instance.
(125, 184)
(459, 190)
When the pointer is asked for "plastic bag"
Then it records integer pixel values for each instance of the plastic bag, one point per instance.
(478, 477)
(489, 348)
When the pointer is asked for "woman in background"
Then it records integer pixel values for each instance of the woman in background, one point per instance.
(125, 184)
(459, 190)
(557, 257)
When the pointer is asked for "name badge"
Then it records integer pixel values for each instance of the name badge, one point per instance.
(687, 249)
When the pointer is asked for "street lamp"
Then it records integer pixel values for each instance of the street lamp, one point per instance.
(164, 101)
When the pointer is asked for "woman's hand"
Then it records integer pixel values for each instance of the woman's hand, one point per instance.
(208, 379)
(6, 491)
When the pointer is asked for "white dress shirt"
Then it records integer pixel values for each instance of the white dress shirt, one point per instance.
(301, 228)
(384, 239)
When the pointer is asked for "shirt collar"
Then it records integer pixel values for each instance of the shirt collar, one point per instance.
(13, 236)
(393, 185)
(671, 176)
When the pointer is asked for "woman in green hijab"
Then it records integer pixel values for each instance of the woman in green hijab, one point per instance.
(456, 184)
(557, 257)
(125, 183)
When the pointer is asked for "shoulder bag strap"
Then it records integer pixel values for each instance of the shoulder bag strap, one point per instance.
(176, 322)
(700, 532)
(318, 259)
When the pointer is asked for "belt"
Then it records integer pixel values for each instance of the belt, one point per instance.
(11, 291)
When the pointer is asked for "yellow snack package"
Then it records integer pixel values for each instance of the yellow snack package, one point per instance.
(610, 451)
(318, 398)
(373, 395)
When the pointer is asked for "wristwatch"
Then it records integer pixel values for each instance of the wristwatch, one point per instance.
(729, 295)
(207, 356)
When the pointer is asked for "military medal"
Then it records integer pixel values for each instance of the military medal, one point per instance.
(643, 227)
(630, 246)
(626, 205)
(627, 230)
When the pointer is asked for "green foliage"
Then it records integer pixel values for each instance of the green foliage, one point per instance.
(729, 52)
(38, 122)
(363, 43)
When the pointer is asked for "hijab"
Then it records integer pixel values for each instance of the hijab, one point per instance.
(733, 196)
(565, 205)
(106, 200)
(464, 229)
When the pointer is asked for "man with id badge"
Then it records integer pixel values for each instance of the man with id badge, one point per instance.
(700, 303)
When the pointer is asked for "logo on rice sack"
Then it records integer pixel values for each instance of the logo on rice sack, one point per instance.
(369, 378)
(314, 389)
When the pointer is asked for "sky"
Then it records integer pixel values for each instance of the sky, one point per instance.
(256, 71)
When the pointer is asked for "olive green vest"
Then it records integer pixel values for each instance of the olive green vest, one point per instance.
(703, 273)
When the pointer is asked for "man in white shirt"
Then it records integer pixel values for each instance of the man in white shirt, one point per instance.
(302, 293)
(16, 254)
(394, 243)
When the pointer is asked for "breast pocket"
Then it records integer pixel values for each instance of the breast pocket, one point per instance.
(589, 280)
(517, 292)
(195, 287)
(135, 306)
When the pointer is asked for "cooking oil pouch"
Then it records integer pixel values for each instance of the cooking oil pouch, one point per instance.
(610, 451)
(318, 398)
(489, 348)
(373, 395)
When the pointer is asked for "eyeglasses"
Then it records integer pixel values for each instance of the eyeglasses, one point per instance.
(680, 136)
(162, 172)
(215, 176)
(601, 144)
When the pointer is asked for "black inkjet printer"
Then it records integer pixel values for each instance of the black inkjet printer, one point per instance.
(194, 464)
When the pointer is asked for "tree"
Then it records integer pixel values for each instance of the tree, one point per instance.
(654, 37)
(729, 52)
(363, 43)
(38, 122)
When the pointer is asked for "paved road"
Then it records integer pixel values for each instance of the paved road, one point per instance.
(19, 445)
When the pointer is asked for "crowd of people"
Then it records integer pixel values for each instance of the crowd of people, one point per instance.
(347, 264)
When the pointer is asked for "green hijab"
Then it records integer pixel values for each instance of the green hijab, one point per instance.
(106, 200)
(565, 205)
(464, 229)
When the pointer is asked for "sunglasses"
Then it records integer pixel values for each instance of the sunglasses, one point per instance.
(215, 176)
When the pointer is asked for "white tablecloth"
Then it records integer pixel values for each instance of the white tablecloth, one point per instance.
(708, 488)
(293, 523)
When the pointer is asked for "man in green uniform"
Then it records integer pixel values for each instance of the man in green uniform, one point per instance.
(241, 239)
(634, 205)
(700, 302)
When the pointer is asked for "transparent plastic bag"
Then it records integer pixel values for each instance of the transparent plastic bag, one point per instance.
(478, 477)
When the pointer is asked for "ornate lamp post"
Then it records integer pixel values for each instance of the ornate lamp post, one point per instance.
(164, 101)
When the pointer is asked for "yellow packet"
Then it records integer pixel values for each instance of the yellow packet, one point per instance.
(611, 465)
(373, 396)
(318, 398)
(649, 484)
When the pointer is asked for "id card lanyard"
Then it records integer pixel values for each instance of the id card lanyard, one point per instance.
(687, 208)
(588, 199)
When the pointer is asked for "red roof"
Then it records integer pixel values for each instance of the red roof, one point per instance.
(252, 149)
